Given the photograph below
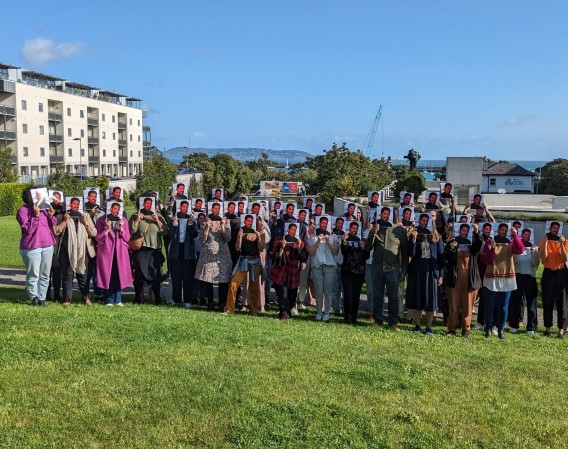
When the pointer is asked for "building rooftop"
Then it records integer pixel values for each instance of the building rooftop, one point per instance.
(502, 169)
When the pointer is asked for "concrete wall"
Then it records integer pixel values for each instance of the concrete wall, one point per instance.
(521, 200)
(465, 170)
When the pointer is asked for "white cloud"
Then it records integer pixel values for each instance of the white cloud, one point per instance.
(515, 121)
(41, 51)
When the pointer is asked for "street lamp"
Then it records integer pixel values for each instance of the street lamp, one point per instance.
(80, 154)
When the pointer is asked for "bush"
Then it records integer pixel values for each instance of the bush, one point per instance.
(521, 216)
(11, 197)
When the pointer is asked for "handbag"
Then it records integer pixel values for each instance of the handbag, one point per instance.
(135, 242)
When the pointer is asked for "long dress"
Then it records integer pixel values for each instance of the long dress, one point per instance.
(422, 291)
(214, 264)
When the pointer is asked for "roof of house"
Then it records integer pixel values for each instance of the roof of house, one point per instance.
(501, 169)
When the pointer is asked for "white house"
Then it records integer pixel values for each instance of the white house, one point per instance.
(510, 177)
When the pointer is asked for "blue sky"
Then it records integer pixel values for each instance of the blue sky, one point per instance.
(454, 77)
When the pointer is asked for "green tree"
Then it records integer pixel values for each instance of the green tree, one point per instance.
(158, 174)
(7, 171)
(64, 181)
(342, 172)
(413, 182)
(554, 177)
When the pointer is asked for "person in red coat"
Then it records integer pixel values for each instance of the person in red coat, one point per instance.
(288, 259)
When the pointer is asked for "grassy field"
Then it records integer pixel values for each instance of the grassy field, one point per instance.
(148, 377)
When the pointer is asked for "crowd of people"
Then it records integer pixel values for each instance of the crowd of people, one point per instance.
(426, 259)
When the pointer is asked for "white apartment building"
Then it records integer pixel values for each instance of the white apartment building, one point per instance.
(51, 122)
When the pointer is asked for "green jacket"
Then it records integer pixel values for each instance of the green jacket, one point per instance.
(390, 247)
(149, 229)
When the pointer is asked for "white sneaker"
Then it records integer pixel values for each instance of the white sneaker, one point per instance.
(109, 305)
(530, 332)
(262, 310)
(119, 304)
(186, 305)
(479, 327)
(294, 312)
(512, 330)
(494, 330)
(301, 306)
(318, 317)
(243, 309)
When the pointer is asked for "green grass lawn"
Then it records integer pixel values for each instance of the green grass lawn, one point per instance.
(152, 377)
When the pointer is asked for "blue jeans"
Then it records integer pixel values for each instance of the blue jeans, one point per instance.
(382, 279)
(369, 282)
(113, 296)
(324, 277)
(499, 301)
(92, 275)
(336, 291)
(38, 268)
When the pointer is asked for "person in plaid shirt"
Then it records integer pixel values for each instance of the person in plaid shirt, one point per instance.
(288, 258)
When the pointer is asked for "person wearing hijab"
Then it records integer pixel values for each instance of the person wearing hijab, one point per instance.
(36, 246)
(114, 272)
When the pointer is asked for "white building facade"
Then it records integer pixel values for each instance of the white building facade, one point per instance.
(507, 178)
(51, 122)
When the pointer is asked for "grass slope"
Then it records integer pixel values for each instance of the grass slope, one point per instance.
(146, 377)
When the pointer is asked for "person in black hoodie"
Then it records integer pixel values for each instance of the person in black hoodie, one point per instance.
(462, 277)
(352, 272)
(182, 230)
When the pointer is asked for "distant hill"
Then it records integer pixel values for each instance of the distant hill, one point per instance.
(242, 154)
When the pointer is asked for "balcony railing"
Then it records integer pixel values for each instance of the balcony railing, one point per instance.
(146, 143)
(14, 159)
(7, 135)
(7, 110)
(93, 140)
(121, 143)
(93, 122)
(122, 159)
(55, 117)
(55, 159)
(55, 138)
(121, 125)
(94, 159)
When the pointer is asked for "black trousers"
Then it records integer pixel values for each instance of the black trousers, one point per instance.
(525, 295)
(182, 274)
(286, 300)
(554, 285)
(139, 287)
(352, 284)
(55, 281)
(223, 292)
(67, 275)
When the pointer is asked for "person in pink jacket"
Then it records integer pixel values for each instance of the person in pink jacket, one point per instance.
(113, 258)
(499, 277)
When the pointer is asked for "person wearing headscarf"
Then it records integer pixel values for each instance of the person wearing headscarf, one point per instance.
(114, 272)
(36, 246)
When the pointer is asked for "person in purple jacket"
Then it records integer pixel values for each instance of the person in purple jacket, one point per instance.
(113, 259)
(36, 246)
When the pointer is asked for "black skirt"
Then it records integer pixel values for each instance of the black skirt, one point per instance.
(148, 262)
(422, 291)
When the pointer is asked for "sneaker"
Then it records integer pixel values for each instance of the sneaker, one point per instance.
(261, 310)
(561, 333)
(294, 311)
(530, 332)
(185, 305)
(326, 317)
(119, 304)
(488, 333)
(109, 304)
(479, 327)
(243, 309)
(302, 306)
(170, 302)
(318, 317)
(41, 303)
(283, 318)
(35, 301)
(512, 330)
(225, 313)
(428, 332)
(494, 330)
(417, 329)
(501, 334)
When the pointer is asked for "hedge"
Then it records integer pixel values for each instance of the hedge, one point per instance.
(11, 197)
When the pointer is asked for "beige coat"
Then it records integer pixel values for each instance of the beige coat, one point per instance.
(79, 244)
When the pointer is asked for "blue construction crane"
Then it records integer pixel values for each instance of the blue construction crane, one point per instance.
(370, 139)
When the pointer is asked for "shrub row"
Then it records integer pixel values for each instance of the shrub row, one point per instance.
(11, 197)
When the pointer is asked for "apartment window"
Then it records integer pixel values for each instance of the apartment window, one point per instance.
(138, 122)
(41, 130)
(130, 122)
(24, 105)
(138, 138)
(40, 107)
(82, 113)
(25, 151)
(82, 152)
(42, 151)
(70, 152)
(25, 128)
(131, 137)
(113, 153)
(113, 119)
(492, 181)
(130, 153)
(113, 136)
(104, 135)
(69, 132)
(138, 153)
(103, 117)
(82, 133)
(104, 153)
(68, 112)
